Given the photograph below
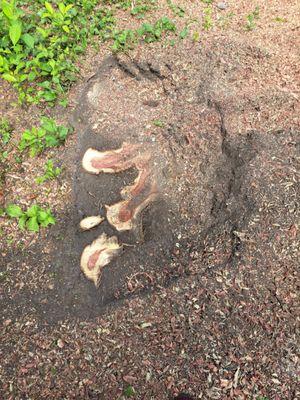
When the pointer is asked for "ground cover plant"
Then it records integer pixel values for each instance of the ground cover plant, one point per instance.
(50, 172)
(40, 41)
(48, 134)
(5, 131)
(32, 219)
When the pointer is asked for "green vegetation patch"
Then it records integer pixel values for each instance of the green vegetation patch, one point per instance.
(40, 41)
(32, 219)
(50, 172)
(37, 139)
(5, 131)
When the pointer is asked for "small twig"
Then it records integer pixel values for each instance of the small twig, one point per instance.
(13, 176)
(91, 194)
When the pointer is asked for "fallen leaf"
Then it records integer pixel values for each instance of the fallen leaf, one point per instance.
(129, 379)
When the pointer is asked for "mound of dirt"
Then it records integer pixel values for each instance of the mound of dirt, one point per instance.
(217, 156)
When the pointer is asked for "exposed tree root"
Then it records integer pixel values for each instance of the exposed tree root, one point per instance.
(111, 161)
(97, 255)
(123, 214)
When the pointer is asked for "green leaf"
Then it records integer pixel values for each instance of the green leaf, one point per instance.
(63, 132)
(49, 96)
(62, 8)
(27, 135)
(196, 36)
(40, 179)
(50, 219)
(49, 7)
(31, 76)
(22, 77)
(183, 34)
(158, 122)
(13, 211)
(63, 102)
(32, 211)
(40, 132)
(7, 9)
(15, 32)
(32, 224)
(49, 124)
(68, 8)
(9, 77)
(42, 31)
(51, 141)
(22, 221)
(28, 40)
(42, 215)
(34, 151)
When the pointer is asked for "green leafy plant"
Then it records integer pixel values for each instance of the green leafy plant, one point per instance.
(158, 123)
(196, 36)
(153, 32)
(177, 10)
(280, 19)
(32, 219)
(38, 47)
(129, 391)
(207, 18)
(185, 31)
(225, 20)
(12, 16)
(49, 134)
(5, 131)
(124, 40)
(141, 7)
(251, 18)
(50, 172)
(40, 41)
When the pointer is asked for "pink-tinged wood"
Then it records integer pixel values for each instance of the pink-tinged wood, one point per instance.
(93, 259)
(123, 214)
(98, 254)
(111, 161)
(136, 197)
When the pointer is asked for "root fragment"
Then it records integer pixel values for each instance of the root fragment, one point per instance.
(111, 161)
(98, 254)
(124, 214)
(90, 222)
(136, 197)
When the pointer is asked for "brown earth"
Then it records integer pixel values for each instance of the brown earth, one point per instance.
(204, 298)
